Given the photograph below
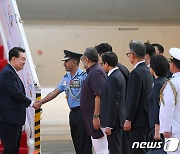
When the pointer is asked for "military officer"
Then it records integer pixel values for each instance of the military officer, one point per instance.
(71, 84)
(170, 101)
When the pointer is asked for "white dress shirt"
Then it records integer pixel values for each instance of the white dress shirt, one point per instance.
(139, 63)
(109, 73)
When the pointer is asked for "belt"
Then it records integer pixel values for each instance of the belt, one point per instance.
(75, 108)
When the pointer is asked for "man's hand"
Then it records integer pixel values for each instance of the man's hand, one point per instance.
(127, 125)
(108, 131)
(36, 105)
(167, 134)
(156, 133)
(96, 123)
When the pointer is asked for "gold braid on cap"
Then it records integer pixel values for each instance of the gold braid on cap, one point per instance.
(173, 89)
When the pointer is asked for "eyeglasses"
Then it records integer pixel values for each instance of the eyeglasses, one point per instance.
(83, 58)
(128, 53)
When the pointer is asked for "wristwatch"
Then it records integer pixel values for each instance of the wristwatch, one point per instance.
(96, 116)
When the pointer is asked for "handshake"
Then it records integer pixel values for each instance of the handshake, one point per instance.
(37, 104)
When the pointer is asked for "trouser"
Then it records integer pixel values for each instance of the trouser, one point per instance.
(82, 142)
(10, 135)
(115, 141)
(125, 142)
(101, 144)
(155, 150)
(138, 134)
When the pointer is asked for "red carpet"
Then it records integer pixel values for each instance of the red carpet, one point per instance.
(23, 146)
(3, 61)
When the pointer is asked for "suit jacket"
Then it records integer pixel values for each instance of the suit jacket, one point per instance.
(154, 101)
(112, 108)
(13, 100)
(139, 87)
(124, 71)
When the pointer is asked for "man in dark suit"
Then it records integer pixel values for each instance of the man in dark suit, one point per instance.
(105, 47)
(139, 86)
(112, 108)
(101, 49)
(13, 102)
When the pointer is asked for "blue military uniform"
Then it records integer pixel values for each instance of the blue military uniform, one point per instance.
(72, 87)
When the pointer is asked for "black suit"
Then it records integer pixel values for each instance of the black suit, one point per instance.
(125, 134)
(124, 71)
(153, 109)
(139, 87)
(112, 110)
(13, 103)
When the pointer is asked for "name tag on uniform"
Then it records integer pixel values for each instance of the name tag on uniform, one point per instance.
(75, 83)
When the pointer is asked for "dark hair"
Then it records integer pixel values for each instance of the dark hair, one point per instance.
(14, 52)
(138, 48)
(92, 54)
(110, 58)
(160, 65)
(176, 62)
(150, 50)
(160, 47)
(103, 47)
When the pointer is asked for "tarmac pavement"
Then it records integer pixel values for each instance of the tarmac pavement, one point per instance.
(55, 131)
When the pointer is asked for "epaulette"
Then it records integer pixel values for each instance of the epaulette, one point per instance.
(66, 75)
(173, 89)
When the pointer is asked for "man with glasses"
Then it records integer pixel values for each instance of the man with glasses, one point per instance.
(90, 100)
(170, 101)
(138, 89)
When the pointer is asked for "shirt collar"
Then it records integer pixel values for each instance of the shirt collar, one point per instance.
(139, 63)
(176, 74)
(91, 67)
(110, 72)
(79, 71)
(13, 68)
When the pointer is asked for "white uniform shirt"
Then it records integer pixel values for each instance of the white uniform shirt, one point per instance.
(169, 115)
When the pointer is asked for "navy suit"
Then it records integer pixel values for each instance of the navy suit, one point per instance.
(112, 110)
(139, 87)
(153, 110)
(124, 71)
(13, 103)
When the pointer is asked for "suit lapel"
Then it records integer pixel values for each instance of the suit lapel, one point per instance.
(20, 83)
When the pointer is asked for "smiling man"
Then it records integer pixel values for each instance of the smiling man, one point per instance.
(71, 84)
(13, 102)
